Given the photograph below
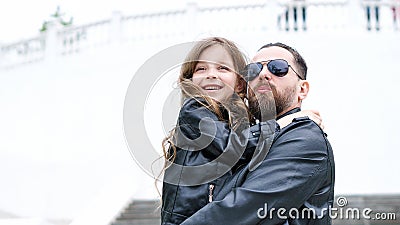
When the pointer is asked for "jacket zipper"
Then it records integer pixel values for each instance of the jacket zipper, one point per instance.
(210, 193)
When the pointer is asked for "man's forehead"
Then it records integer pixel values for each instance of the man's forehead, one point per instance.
(273, 52)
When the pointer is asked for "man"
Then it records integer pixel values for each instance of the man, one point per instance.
(294, 184)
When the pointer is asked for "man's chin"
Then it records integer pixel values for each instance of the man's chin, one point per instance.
(263, 108)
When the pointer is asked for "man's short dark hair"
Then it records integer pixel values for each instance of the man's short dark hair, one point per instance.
(301, 63)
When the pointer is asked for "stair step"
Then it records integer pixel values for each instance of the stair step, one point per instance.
(144, 206)
(142, 212)
(138, 222)
(149, 210)
(138, 216)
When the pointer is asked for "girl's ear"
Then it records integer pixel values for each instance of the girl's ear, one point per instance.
(240, 85)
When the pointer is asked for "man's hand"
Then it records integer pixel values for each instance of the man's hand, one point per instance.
(312, 114)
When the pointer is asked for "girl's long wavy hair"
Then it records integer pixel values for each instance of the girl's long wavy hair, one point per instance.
(191, 90)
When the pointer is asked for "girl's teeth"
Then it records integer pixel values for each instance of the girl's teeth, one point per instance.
(212, 88)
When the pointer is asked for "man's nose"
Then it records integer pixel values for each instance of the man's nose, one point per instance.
(264, 74)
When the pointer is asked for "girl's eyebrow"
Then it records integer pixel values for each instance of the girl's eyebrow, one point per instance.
(213, 62)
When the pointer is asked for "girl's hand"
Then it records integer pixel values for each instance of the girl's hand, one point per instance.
(312, 114)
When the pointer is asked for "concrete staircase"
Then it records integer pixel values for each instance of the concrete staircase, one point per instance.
(140, 212)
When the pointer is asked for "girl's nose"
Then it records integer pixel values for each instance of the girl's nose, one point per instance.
(212, 73)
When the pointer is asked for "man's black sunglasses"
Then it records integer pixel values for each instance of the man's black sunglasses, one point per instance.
(278, 67)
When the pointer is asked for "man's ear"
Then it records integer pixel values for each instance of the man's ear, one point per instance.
(304, 88)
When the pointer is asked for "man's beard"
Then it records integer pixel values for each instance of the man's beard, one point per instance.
(262, 106)
(266, 106)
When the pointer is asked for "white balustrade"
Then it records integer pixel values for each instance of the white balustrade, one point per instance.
(395, 7)
(22, 52)
(303, 15)
(381, 14)
(231, 19)
(77, 38)
(195, 21)
(154, 26)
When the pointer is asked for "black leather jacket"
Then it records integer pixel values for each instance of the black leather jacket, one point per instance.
(296, 176)
(186, 191)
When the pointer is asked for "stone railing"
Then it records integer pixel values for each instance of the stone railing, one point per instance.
(341, 16)
(26, 51)
(314, 15)
(74, 39)
(382, 14)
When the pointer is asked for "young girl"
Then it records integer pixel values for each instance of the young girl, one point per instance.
(213, 136)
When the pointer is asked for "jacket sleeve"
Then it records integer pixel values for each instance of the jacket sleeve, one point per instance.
(211, 147)
(293, 170)
(200, 129)
(202, 133)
